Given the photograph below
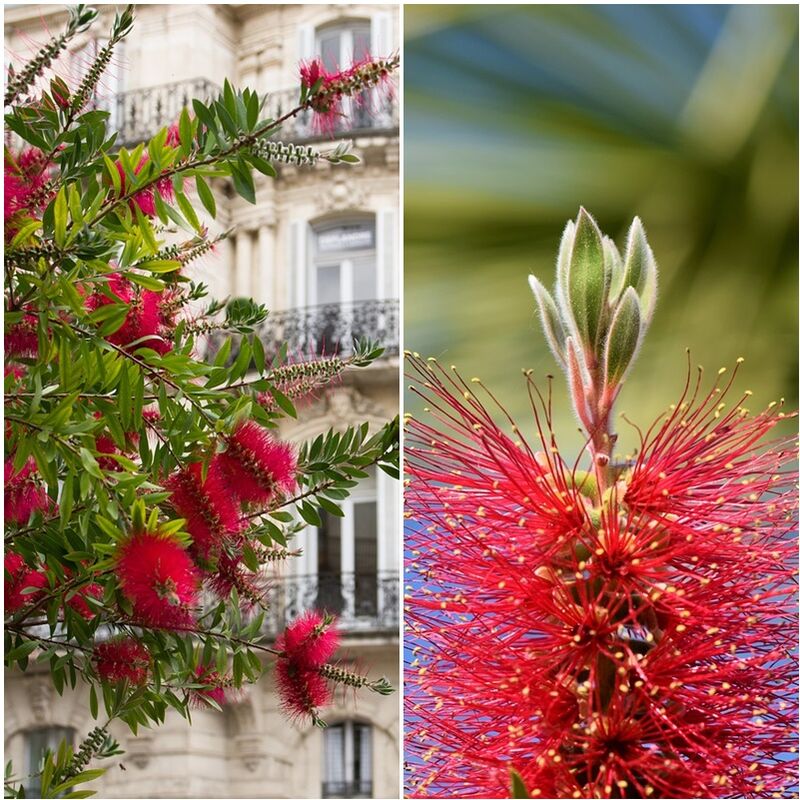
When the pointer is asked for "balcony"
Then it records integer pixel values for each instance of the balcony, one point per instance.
(331, 328)
(347, 789)
(364, 603)
(374, 116)
(139, 114)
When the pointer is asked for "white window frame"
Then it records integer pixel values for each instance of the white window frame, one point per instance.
(348, 727)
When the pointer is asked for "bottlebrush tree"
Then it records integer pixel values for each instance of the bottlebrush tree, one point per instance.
(589, 627)
(146, 487)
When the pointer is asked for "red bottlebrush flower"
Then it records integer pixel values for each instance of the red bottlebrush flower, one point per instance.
(122, 659)
(160, 580)
(634, 644)
(211, 513)
(23, 180)
(23, 493)
(18, 578)
(306, 645)
(143, 320)
(310, 640)
(231, 573)
(256, 466)
(214, 688)
(302, 691)
(145, 198)
(78, 601)
(22, 339)
(327, 101)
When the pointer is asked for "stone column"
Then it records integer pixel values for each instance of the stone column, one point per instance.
(242, 284)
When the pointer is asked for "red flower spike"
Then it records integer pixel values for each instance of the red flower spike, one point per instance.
(18, 578)
(158, 577)
(211, 514)
(214, 688)
(635, 645)
(309, 641)
(122, 660)
(23, 494)
(302, 691)
(145, 199)
(231, 573)
(22, 339)
(143, 320)
(78, 601)
(255, 466)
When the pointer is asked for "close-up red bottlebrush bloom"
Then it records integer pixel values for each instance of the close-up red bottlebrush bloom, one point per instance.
(122, 659)
(256, 466)
(586, 627)
(311, 640)
(159, 579)
(212, 515)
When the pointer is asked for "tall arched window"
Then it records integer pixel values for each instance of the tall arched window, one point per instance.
(340, 45)
(347, 765)
(37, 742)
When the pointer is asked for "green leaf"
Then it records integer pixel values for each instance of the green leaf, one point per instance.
(187, 210)
(206, 196)
(624, 336)
(60, 217)
(243, 183)
(586, 280)
(518, 789)
(185, 133)
(551, 321)
(161, 265)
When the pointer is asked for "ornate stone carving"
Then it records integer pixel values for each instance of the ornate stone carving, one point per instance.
(340, 193)
(40, 697)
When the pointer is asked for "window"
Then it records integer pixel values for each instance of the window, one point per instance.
(347, 556)
(347, 754)
(343, 277)
(339, 46)
(37, 743)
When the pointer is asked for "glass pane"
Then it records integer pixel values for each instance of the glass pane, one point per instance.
(361, 44)
(329, 561)
(334, 755)
(362, 759)
(365, 280)
(365, 525)
(328, 284)
(37, 743)
(329, 49)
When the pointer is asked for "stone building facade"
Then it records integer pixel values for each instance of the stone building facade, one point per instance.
(320, 249)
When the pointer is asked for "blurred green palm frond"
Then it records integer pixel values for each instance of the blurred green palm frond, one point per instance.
(685, 115)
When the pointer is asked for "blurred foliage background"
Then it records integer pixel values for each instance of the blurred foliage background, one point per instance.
(685, 115)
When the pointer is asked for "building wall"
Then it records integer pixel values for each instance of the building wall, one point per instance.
(251, 749)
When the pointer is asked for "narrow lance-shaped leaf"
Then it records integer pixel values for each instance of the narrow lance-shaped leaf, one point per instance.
(640, 270)
(624, 336)
(586, 280)
(551, 321)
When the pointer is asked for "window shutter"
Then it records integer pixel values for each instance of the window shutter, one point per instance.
(381, 34)
(386, 247)
(296, 285)
(305, 42)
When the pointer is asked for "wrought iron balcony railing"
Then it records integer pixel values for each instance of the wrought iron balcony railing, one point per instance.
(368, 603)
(332, 328)
(139, 114)
(376, 114)
(347, 789)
